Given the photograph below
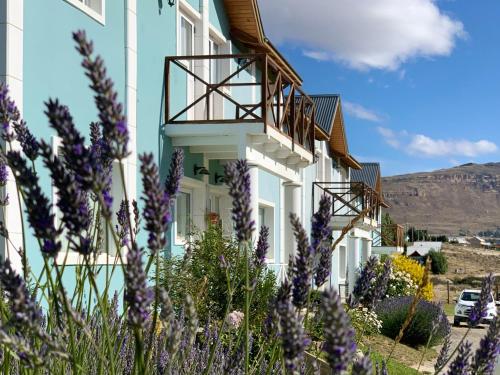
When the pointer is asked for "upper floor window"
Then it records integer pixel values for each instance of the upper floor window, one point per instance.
(186, 37)
(94, 8)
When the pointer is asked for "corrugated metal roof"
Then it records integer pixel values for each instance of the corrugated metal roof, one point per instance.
(325, 110)
(368, 174)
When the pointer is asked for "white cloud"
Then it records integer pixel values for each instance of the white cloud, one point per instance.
(363, 34)
(358, 111)
(422, 145)
(426, 146)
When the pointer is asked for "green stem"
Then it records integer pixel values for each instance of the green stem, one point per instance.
(247, 311)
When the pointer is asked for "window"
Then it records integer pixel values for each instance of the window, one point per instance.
(183, 208)
(266, 217)
(186, 37)
(94, 8)
(215, 66)
(342, 262)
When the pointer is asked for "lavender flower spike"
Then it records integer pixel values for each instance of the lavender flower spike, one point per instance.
(9, 113)
(444, 353)
(479, 310)
(238, 180)
(4, 174)
(461, 365)
(262, 246)
(488, 351)
(363, 283)
(137, 294)
(321, 240)
(303, 264)
(38, 206)
(175, 173)
(378, 291)
(363, 366)
(339, 342)
(156, 212)
(293, 339)
(28, 142)
(111, 117)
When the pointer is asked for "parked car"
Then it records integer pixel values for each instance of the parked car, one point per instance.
(467, 299)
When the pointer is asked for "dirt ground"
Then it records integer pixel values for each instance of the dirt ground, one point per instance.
(464, 264)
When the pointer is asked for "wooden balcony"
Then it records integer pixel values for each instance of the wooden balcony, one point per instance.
(390, 235)
(351, 200)
(237, 89)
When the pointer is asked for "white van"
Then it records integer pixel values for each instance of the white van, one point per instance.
(466, 301)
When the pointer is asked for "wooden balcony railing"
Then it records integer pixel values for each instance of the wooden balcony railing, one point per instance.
(244, 88)
(392, 235)
(351, 198)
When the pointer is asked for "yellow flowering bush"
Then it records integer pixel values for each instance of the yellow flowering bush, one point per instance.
(415, 270)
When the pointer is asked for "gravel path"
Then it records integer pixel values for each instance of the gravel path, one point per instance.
(474, 336)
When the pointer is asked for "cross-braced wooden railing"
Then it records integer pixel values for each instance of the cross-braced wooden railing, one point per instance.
(237, 88)
(389, 235)
(351, 198)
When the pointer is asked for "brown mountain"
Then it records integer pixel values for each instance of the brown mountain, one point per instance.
(447, 201)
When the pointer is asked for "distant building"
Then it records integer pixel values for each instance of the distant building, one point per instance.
(477, 241)
(459, 241)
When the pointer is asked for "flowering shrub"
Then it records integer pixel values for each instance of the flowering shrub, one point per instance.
(400, 284)
(365, 322)
(147, 330)
(428, 323)
(416, 272)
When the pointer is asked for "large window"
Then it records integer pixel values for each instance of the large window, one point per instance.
(186, 41)
(183, 207)
(266, 217)
(94, 8)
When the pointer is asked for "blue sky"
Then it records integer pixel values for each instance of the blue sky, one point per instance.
(419, 79)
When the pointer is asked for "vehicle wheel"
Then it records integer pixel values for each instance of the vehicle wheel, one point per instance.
(456, 322)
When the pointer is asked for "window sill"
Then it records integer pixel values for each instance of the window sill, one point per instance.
(89, 11)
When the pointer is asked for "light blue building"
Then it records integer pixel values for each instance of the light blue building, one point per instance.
(201, 75)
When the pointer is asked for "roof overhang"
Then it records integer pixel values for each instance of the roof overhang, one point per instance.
(246, 26)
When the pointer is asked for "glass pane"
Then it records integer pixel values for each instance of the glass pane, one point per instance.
(186, 37)
(183, 214)
(214, 63)
(261, 217)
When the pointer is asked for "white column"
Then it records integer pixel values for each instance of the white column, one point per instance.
(254, 197)
(367, 249)
(352, 260)
(293, 204)
(11, 53)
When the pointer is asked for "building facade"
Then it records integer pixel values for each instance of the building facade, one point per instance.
(202, 76)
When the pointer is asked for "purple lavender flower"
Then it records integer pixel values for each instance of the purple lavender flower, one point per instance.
(8, 113)
(28, 142)
(137, 294)
(444, 352)
(339, 342)
(363, 366)
(122, 228)
(175, 174)
(460, 365)
(38, 207)
(262, 246)
(72, 201)
(293, 338)
(363, 283)
(488, 351)
(110, 111)
(24, 310)
(381, 369)
(238, 180)
(4, 173)
(303, 264)
(480, 308)
(156, 212)
(379, 289)
(321, 240)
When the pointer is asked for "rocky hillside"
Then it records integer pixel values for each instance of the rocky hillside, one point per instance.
(466, 197)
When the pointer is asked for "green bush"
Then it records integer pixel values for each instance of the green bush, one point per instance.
(393, 312)
(439, 263)
(200, 274)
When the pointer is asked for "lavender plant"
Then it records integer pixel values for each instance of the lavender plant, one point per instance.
(69, 318)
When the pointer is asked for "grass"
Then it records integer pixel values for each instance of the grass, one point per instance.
(449, 309)
(393, 367)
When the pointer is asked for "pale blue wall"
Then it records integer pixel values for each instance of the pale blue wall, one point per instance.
(52, 69)
(269, 190)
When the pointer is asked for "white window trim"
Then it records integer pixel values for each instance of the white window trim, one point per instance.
(72, 258)
(99, 17)
(188, 190)
(272, 229)
(188, 9)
